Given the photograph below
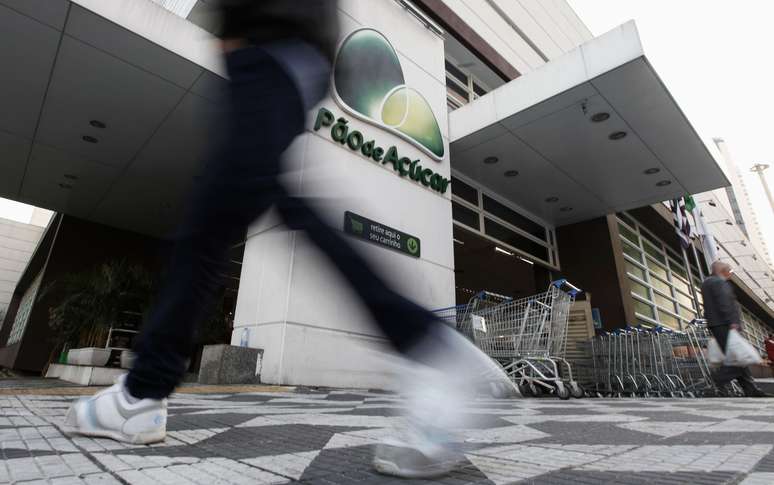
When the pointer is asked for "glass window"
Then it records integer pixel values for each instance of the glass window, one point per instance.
(652, 239)
(464, 191)
(478, 90)
(632, 251)
(626, 219)
(466, 216)
(684, 299)
(678, 269)
(644, 323)
(654, 252)
(639, 289)
(514, 239)
(663, 301)
(687, 313)
(668, 319)
(456, 91)
(512, 217)
(455, 72)
(628, 234)
(657, 269)
(660, 284)
(667, 282)
(644, 309)
(681, 284)
(635, 270)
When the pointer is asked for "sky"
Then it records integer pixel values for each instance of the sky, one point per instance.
(715, 57)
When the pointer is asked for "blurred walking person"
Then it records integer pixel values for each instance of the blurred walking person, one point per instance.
(278, 55)
(721, 311)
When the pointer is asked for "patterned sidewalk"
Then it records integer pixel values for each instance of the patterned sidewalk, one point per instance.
(328, 437)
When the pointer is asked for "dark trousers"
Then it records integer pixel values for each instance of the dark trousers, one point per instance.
(726, 373)
(241, 183)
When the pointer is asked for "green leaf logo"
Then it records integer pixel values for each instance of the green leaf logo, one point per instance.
(412, 245)
(368, 82)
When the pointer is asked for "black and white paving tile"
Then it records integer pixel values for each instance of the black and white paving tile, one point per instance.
(312, 437)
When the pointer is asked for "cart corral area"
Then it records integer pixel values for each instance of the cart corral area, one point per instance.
(327, 436)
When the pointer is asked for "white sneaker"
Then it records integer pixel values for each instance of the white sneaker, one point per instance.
(109, 414)
(445, 373)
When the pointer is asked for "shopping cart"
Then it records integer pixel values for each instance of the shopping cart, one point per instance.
(655, 362)
(528, 337)
(459, 316)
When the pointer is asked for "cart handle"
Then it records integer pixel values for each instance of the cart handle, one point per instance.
(574, 290)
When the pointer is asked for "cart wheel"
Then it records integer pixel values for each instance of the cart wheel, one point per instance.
(562, 392)
(525, 390)
(576, 390)
(536, 391)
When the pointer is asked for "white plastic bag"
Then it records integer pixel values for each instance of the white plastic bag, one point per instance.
(715, 355)
(739, 352)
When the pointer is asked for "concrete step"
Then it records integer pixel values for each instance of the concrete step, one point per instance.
(85, 375)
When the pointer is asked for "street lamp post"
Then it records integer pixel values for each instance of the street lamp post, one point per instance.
(759, 168)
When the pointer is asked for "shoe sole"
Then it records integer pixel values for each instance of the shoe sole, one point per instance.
(137, 439)
(389, 468)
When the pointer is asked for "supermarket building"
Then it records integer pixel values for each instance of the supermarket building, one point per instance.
(489, 145)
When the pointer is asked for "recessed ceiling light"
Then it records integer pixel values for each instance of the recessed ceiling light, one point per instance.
(89, 139)
(617, 135)
(70, 176)
(491, 160)
(663, 183)
(511, 173)
(565, 209)
(551, 200)
(97, 124)
(652, 170)
(598, 117)
(65, 186)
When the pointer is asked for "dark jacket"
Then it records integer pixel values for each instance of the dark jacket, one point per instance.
(262, 21)
(720, 306)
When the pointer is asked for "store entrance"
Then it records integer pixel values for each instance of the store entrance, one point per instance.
(480, 264)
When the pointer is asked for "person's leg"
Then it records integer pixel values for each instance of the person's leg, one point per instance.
(239, 184)
(724, 374)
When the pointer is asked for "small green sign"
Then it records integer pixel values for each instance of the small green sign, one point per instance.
(380, 234)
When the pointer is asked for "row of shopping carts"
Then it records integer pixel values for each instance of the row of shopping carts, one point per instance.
(527, 337)
(656, 362)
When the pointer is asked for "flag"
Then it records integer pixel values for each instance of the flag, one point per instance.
(708, 243)
(682, 225)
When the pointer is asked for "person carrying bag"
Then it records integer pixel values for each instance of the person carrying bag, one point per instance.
(730, 349)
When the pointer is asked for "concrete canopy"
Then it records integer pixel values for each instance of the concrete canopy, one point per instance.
(540, 125)
(152, 78)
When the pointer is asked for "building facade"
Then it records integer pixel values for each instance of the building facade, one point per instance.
(488, 145)
(17, 243)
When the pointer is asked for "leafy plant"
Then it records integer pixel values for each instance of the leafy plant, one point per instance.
(94, 300)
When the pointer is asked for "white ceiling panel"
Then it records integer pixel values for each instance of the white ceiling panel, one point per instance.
(551, 111)
(27, 55)
(92, 29)
(611, 169)
(13, 157)
(50, 12)
(640, 97)
(62, 182)
(537, 180)
(161, 177)
(89, 84)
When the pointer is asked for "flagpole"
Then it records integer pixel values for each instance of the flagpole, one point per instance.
(690, 283)
(698, 262)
